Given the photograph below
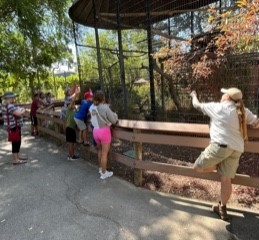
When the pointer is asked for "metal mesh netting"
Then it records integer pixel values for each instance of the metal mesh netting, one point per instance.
(159, 24)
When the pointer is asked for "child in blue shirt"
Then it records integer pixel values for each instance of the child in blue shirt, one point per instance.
(81, 117)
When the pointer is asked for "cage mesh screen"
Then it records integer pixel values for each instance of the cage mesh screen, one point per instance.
(172, 23)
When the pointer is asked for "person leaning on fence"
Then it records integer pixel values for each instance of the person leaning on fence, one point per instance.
(34, 121)
(102, 117)
(13, 121)
(71, 131)
(81, 117)
(68, 97)
(228, 132)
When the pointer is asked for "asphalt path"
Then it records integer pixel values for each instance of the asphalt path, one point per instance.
(52, 198)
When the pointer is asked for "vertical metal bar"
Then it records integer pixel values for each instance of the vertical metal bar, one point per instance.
(163, 91)
(99, 60)
(121, 61)
(192, 24)
(77, 59)
(151, 63)
(169, 31)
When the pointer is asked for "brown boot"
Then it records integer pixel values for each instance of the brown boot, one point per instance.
(221, 211)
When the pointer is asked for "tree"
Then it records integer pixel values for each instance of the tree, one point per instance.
(193, 63)
(33, 35)
(135, 56)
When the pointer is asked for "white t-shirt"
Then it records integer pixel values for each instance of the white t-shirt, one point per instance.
(224, 123)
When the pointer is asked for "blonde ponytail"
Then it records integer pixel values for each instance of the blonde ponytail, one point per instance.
(242, 119)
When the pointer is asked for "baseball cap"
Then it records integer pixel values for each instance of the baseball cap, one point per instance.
(9, 95)
(88, 95)
(234, 93)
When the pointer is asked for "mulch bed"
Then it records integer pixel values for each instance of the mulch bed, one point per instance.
(242, 197)
(186, 186)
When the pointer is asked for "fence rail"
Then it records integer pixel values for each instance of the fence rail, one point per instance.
(139, 132)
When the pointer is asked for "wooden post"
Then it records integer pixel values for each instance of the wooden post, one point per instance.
(138, 157)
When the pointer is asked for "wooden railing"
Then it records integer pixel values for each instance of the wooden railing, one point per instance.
(176, 134)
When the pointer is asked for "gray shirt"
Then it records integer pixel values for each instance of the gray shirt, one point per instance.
(102, 116)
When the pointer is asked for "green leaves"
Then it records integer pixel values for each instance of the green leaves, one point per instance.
(33, 35)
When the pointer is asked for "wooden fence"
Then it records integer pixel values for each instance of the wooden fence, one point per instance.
(139, 132)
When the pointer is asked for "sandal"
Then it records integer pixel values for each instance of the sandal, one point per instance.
(19, 162)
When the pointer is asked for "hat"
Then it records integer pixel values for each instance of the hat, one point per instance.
(234, 93)
(9, 95)
(88, 95)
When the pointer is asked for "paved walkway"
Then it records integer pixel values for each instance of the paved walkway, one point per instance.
(51, 198)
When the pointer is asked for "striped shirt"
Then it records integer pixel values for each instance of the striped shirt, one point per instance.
(11, 110)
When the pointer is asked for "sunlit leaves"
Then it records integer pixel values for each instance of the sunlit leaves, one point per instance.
(237, 32)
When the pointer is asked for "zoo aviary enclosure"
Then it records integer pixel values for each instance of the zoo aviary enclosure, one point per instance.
(174, 46)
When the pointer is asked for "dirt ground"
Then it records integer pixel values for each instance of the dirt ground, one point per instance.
(242, 197)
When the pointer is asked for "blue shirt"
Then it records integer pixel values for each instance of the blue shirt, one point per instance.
(83, 110)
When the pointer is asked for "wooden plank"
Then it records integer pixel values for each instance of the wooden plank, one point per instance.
(184, 128)
(52, 133)
(197, 142)
(185, 141)
(122, 134)
(240, 179)
(253, 132)
(252, 147)
(49, 118)
(165, 126)
(122, 159)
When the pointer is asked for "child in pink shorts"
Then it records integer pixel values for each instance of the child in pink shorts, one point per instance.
(102, 117)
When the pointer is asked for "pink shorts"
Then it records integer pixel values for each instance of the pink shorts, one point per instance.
(102, 135)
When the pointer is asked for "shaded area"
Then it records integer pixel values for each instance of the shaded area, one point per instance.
(52, 198)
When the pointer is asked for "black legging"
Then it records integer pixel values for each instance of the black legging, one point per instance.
(16, 145)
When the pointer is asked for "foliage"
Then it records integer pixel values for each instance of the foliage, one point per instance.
(239, 30)
(236, 31)
(133, 61)
(33, 35)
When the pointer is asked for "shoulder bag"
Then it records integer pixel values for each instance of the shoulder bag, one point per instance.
(102, 119)
(14, 135)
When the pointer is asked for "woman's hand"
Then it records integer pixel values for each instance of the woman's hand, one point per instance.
(193, 94)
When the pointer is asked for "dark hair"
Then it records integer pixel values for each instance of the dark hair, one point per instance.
(99, 97)
(36, 95)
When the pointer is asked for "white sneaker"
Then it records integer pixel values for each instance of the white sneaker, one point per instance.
(106, 175)
(74, 158)
(100, 170)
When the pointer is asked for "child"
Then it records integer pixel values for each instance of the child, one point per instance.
(71, 131)
(69, 96)
(102, 117)
(81, 117)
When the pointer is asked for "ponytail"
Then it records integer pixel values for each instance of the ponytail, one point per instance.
(242, 119)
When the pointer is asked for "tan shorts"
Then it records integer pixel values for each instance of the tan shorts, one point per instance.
(80, 124)
(226, 159)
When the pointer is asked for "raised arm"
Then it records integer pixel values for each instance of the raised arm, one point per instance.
(195, 102)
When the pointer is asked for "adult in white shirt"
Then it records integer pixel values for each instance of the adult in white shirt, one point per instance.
(228, 132)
